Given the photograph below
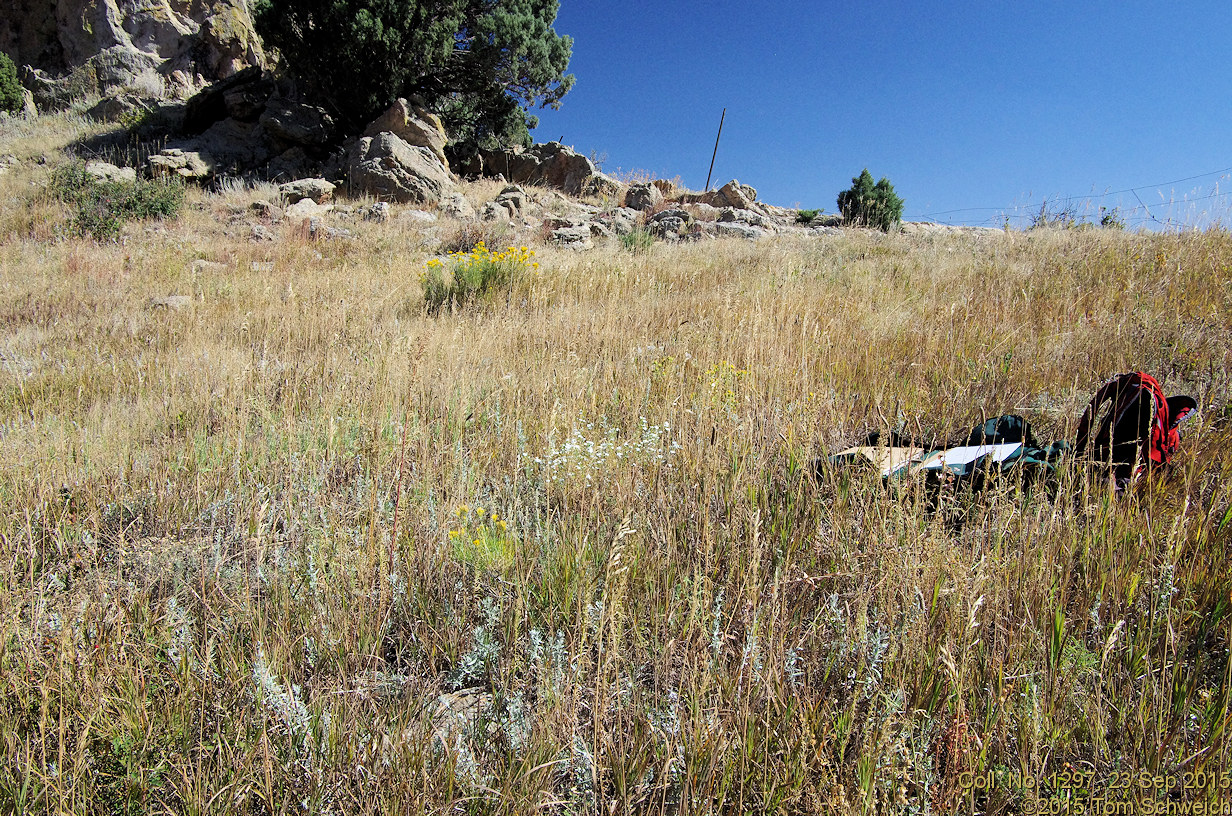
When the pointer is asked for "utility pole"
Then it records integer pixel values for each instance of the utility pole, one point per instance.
(716, 149)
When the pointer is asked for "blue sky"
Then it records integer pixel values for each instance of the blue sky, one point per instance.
(974, 111)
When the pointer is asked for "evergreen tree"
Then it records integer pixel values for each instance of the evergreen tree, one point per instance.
(12, 99)
(870, 205)
(481, 64)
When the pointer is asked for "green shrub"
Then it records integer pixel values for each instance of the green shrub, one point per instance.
(638, 240)
(11, 97)
(870, 205)
(1111, 219)
(104, 206)
(468, 276)
(806, 216)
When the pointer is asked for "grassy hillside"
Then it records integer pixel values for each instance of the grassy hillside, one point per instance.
(294, 545)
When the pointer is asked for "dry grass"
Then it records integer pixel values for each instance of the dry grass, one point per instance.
(227, 582)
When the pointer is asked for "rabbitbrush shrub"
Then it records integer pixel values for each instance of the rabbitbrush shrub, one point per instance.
(473, 275)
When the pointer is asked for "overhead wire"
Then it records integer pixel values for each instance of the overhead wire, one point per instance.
(1058, 199)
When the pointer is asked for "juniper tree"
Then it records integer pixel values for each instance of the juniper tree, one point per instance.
(11, 97)
(870, 205)
(481, 64)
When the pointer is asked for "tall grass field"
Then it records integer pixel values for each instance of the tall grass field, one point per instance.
(278, 538)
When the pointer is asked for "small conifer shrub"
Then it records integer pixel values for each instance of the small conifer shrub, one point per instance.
(870, 205)
(11, 97)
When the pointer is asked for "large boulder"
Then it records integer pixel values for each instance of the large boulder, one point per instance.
(387, 167)
(297, 123)
(317, 189)
(413, 124)
(643, 197)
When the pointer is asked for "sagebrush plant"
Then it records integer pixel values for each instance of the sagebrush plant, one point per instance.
(462, 277)
(866, 204)
(694, 618)
(103, 207)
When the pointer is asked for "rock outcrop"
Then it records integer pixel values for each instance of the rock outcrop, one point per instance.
(549, 165)
(157, 48)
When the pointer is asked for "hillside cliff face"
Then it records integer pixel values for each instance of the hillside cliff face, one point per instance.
(158, 47)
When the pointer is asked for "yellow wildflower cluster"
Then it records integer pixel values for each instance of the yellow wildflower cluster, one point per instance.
(516, 256)
(464, 276)
(725, 383)
(482, 539)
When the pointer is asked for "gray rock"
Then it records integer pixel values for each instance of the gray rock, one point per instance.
(455, 205)
(740, 230)
(573, 237)
(508, 204)
(492, 211)
(732, 194)
(260, 232)
(548, 165)
(209, 105)
(413, 124)
(378, 212)
(702, 212)
(731, 215)
(235, 146)
(419, 217)
(387, 167)
(735, 194)
(601, 185)
(112, 69)
(621, 221)
(297, 123)
(119, 107)
(104, 171)
(190, 165)
(643, 197)
(246, 100)
(268, 209)
(293, 163)
(307, 208)
(669, 223)
(91, 47)
(317, 189)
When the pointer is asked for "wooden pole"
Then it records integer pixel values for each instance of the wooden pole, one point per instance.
(716, 149)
